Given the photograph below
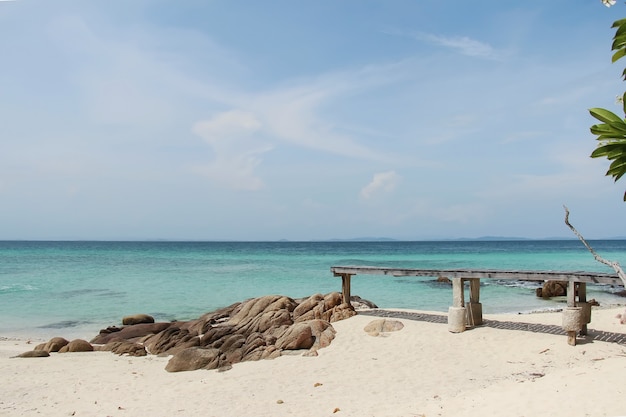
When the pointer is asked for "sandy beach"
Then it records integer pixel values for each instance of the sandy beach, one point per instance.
(420, 370)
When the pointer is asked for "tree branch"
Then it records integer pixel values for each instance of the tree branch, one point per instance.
(615, 265)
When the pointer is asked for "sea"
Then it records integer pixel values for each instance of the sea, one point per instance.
(75, 288)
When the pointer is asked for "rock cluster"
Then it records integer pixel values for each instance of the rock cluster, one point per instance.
(259, 328)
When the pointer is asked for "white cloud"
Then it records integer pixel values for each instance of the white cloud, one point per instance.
(237, 151)
(382, 182)
(227, 124)
(463, 45)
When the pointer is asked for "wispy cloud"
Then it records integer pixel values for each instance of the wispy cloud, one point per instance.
(461, 44)
(236, 151)
(290, 115)
(382, 183)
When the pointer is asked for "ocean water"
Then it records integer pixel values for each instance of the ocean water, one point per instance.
(73, 289)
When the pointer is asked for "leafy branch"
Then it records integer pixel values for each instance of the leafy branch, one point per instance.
(611, 133)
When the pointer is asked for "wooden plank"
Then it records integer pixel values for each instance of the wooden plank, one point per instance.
(575, 276)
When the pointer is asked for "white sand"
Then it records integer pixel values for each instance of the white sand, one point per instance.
(420, 370)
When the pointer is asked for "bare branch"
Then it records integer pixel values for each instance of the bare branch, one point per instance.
(615, 265)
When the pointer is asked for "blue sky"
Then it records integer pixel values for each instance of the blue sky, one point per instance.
(249, 120)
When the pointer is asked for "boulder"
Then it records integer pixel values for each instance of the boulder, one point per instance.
(250, 309)
(53, 345)
(381, 326)
(359, 303)
(444, 280)
(137, 319)
(552, 289)
(194, 358)
(306, 335)
(77, 345)
(125, 348)
(171, 338)
(131, 332)
(33, 354)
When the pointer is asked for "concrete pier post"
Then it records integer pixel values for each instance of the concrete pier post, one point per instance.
(457, 315)
(572, 323)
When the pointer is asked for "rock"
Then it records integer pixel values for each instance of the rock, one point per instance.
(376, 327)
(125, 348)
(53, 345)
(552, 289)
(169, 339)
(359, 303)
(33, 354)
(131, 332)
(305, 335)
(253, 308)
(444, 280)
(194, 358)
(77, 345)
(259, 328)
(298, 336)
(338, 313)
(137, 319)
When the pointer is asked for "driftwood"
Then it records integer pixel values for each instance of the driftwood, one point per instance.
(613, 264)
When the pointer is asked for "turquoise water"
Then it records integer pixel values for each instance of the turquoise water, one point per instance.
(76, 288)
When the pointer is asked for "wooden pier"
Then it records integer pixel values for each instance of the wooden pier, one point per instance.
(462, 315)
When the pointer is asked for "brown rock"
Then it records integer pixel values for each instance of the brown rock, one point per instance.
(376, 327)
(255, 307)
(33, 354)
(338, 313)
(259, 328)
(77, 345)
(444, 280)
(359, 303)
(137, 319)
(265, 320)
(125, 348)
(53, 345)
(305, 335)
(171, 338)
(553, 289)
(194, 358)
(131, 332)
(298, 336)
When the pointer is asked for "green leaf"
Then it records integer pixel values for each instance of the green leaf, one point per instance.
(604, 115)
(618, 23)
(618, 126)
(619, 54)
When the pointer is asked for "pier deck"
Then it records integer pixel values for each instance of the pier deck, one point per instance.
(462, 315)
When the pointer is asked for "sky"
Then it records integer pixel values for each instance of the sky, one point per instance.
(305, 120)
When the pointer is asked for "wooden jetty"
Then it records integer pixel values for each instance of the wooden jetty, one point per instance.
(462, 315)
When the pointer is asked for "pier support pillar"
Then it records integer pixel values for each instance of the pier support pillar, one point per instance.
(345, 287)
(572, 323)
(474, 314)
(582, 302)
(457, 319)
(457, 315)
(474, 307)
